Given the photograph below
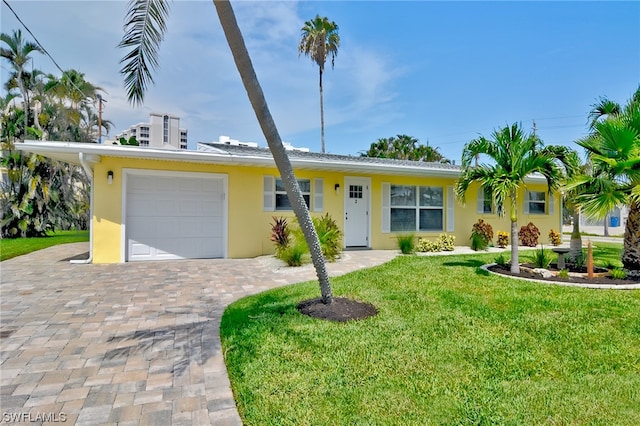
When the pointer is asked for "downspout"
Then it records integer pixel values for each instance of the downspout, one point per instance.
(89, 173)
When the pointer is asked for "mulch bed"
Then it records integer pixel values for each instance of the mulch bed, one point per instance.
(598, 279)
(341, 310)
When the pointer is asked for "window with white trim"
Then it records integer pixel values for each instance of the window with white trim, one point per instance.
(485, 201)
(416, 208)
(535, 202)
(275, 196)
(282, 200)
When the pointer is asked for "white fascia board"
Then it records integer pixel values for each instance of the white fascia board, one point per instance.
(69, 152)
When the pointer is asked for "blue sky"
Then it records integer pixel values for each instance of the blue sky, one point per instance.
(443, 72)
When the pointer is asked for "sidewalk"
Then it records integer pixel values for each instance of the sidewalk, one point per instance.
(615, 234)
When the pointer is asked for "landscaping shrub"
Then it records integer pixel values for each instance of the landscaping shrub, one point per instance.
(579, 261)
(529, 235)
(329, 235)
(291, 246)
(448, 242)
(564, 274)
(500, 260)
(406, 243)
(554, 238)
(503, 239)
(444, 242)
(280, 233)
(481, 235)
(541, 258)
(425, 245)
(618, 273)
(294, 254)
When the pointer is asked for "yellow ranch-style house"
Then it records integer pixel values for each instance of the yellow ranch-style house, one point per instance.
(219, 200)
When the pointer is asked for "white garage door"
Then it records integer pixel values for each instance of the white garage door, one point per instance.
(175, 216)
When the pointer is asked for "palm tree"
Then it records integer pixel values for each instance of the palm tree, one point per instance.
(613, 151)
(403, 147)
(320, 40)
(144, 37)
(570, 198)
(17, 53)
(514, 155)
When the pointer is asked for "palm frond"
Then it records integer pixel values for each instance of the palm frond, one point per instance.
(145, 26)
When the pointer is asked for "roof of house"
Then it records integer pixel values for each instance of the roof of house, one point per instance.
(215, 153)
(295, 154)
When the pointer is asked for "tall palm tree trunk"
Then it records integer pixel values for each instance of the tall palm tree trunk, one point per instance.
(515, 261)
(261, 109)
(321, 112)
(25, 102)
(631, 252)
(575, 244)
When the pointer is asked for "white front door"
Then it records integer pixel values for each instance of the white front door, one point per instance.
(356, 212)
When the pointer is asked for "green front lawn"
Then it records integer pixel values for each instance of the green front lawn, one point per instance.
(450, 345)
(16, 247)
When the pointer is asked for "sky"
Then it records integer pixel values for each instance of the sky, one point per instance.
(442, 72)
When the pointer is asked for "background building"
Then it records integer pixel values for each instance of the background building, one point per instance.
(162, 131)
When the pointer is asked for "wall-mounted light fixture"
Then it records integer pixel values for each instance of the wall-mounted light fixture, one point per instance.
(109, 177)
(337, 188)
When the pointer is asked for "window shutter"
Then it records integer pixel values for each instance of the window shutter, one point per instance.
(551, 203)
(480, 204)
(318, 195)
(526, 202)
(451, 205)
(386, 207)
(269, 194)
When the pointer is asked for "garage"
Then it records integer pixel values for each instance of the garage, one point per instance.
(174, 215)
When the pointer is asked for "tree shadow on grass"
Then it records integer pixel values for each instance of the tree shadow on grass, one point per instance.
(184, 344)
(470, 263)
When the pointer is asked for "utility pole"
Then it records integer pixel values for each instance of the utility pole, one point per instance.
(100, 100)
(535, 128)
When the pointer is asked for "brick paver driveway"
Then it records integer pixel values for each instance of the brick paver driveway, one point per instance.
(134, 343)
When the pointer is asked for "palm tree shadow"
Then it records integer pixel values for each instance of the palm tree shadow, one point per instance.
(471, 263)
(185, 343)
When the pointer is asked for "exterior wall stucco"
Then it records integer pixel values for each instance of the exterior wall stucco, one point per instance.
(249, 226)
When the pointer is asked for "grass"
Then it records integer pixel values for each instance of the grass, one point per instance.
(450, 345)
(16, 247)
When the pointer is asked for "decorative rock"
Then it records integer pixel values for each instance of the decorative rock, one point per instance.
(543, 273)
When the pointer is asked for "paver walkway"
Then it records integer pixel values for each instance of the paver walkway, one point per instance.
(127, 344)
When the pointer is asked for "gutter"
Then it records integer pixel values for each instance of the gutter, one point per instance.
(89, 172)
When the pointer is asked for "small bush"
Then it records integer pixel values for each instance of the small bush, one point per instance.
(503, 239)
(425, 245)
(406, 243)
(555, 238)
(618, 274)
(541, 258)
(481, 235)
(579, 261)
(330, 237)
(564, 274)
(448, 242)
(295, 253)
(478, 242)
(529, 235)
(500, 260)
(280, 233)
